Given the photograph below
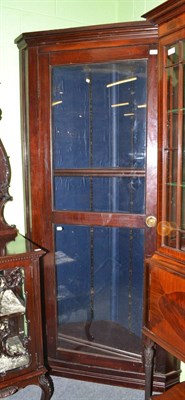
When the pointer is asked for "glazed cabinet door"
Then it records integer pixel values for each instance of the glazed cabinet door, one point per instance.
(99, 183)
(172, 229)
(97, 121)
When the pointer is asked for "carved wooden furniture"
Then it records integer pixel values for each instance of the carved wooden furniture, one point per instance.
(165, 271)
(89, 103)
(5, 229)
(21, 351)
(21, 346)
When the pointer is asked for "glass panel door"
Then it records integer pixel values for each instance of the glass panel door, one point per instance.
(173, 226)
(99, 171)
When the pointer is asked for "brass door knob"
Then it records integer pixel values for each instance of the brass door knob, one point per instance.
(151, 221)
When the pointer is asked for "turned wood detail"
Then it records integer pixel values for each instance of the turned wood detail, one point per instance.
(149, 357)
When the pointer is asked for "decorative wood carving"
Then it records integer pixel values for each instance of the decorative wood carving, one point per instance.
(8, 391)
(5, 175)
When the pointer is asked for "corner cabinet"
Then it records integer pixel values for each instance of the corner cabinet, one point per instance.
(165, 271)
(21, 346)
(89, 122)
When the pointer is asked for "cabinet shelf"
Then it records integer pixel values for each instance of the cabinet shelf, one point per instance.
(170, 148)
(176, 110)
(174, 184)
(11, 314)
(120, 172)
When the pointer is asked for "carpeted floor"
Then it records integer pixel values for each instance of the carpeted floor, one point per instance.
(68, 389)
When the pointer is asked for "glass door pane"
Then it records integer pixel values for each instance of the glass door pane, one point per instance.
(99, 288)
(98, 115)
(106, 194)
(173, 196)
(99, 160)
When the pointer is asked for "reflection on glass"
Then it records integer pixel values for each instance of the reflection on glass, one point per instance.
(13, 326)
(99, 115)
(173, 89)
(99, 274)
(100, 194)
(173, 54)
(171, 185)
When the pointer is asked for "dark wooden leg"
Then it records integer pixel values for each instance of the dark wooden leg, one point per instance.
(149, 356)
(46, 385)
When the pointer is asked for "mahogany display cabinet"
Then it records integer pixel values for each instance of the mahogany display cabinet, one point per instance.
(165, 271)
(21, 350)
(89, 123)
(21, 338)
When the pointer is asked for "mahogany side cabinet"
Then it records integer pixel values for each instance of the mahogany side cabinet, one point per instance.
(21, 337)
(165, 271)
(21, 349)
(89, 124)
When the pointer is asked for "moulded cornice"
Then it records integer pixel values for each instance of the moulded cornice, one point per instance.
(166, 11)
(125, 30)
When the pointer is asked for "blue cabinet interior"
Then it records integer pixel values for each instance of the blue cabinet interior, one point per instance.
(98, 125)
